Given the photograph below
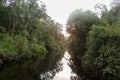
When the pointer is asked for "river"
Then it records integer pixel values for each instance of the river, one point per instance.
(64, 70)
(39, 70)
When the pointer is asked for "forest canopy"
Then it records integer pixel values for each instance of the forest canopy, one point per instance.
(26, 30)
(94, 43)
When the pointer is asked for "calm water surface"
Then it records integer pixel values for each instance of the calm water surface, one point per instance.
(50, 68)
(62, 72)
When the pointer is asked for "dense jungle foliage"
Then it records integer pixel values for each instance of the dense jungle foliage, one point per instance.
(27, 31)
(94, 43)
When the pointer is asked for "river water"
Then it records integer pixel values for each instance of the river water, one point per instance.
(65, 72)
(47, 69)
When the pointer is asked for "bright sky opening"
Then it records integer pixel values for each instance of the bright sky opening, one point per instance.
(59, 10)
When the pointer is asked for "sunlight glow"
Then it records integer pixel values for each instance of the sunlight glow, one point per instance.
(59, 10)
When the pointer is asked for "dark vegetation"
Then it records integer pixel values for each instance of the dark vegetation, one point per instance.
(29, 37)
(94, 43)
(26, 31)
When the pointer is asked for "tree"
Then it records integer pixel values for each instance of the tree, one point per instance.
(94, 43)
(102, 52)
(116, 3)
(100, 9)
(78, 25)
(26, 30)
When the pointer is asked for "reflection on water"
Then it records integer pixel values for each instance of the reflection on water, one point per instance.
(28, 69)
(62, 72)
(66, 73)
(52, 67)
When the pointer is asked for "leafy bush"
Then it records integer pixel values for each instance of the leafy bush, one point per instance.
(103, 51)
(7, 46)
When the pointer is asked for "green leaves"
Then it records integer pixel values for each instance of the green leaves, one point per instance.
(103, 49)
(7, 46)
(26, 30)
(95, 42)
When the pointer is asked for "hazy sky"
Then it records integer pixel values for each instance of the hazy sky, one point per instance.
(59, 10)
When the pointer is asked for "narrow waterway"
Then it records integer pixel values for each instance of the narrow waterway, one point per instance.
(63, 70)
(50, 68)
(66, 73)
